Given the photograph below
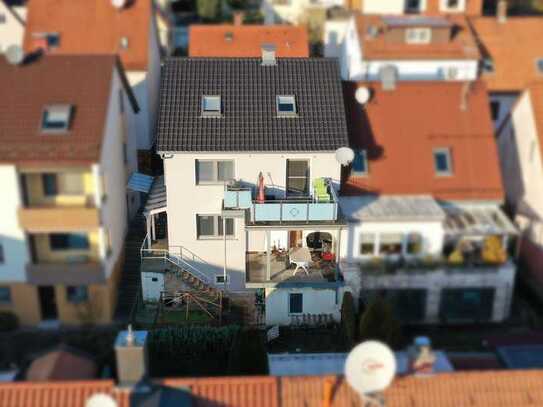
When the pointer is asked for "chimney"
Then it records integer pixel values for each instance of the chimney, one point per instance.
(501, 11)
(238, 17)
(268, 55)
(420, 356)
(131, 356)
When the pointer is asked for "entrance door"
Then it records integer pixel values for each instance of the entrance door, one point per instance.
(295, 239)
(297, 178)
(48, 302)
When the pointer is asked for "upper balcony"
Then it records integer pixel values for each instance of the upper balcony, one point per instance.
(57, 201)
(321, 206)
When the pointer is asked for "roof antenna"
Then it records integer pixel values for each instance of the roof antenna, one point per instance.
(130, 336)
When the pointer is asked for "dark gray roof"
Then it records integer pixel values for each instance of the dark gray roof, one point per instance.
(248, 91)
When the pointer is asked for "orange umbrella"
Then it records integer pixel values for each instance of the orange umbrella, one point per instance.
(260, 198)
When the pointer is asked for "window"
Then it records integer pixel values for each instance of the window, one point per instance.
(286, 106)
(211, 226)
(72, 184)
(297, 177)
(360, 163)
(390, 244)
(53, 40)
(295, 303)
(495, 109)
(539, 64)
(367, 244)
(466, 304)
(50, 185)
(5, 295)
(488, 65)
(56, 118)
(2, 258)
(219, 279)
(413, 6)
(213, 172)
(68, 241)
(2, 18)
(77, 294)
(211, 106)
(418, 35)
(452, 4)
(414, 244)
(442, 161)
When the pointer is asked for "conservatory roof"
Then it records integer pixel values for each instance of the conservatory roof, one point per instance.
(477, 220)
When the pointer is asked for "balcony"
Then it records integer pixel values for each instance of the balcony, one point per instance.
(321, 207)
(58, 219)
(76, 273)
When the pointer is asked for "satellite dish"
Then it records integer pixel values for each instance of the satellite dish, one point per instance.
(14, 54)
(344, 155)
(100, 400)
(118, 3)
(362, 95)
(370, 367)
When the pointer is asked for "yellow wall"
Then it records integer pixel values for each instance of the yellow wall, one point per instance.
(36, 196)
(46, 255)
(24, 303)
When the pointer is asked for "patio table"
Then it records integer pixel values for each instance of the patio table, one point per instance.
(301, 256)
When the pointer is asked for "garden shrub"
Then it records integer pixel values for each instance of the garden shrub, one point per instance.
(379, 323)
(248, 355)
(8, 321)
(348, 320)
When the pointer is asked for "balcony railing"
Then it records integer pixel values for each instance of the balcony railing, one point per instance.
(303, 209)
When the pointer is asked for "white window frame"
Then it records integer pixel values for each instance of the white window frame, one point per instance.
(286, 99)
(448, 152)
(211, 112)
(422, 7)
(414, 35)
(444, 6)
(215, 235)
(215, 180)
(47, 109)
(289, 310)
(217, 276)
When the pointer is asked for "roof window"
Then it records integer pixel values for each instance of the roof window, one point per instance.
(211, 106)
(540, 65)
(488, 65)
(419, 35)
(56, 118)
(442, 161)
(286, 106)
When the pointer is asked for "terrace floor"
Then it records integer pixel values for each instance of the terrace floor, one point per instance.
(281, 270)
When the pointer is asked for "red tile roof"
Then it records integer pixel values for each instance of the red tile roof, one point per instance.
(461, 46)
(93, 27)
(399, 130)
(514, 46)
(505, 388)
(246, 40)
(81, 81)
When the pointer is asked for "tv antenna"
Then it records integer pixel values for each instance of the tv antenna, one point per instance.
(369, 370)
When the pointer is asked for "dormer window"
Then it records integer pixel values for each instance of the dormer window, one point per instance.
(442, 161)
(56, 118)
(488, 65)
(286, 106)
(419, 35)
(211, 106)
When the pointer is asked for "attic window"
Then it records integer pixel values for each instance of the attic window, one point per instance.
(540, 65)
(286, 106)
(56, 118)
(211, 105)
(418, 35)
(442, 161)
(488, 65)
(124, 42)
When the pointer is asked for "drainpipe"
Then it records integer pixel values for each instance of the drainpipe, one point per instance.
(224, 240)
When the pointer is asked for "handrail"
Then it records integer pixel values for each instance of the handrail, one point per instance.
(195, 257)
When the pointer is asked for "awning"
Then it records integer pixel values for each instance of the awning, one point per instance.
(477, 220)
(140, 182)
(156, 201)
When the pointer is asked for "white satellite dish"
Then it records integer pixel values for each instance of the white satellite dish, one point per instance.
(344, 155)
(14, 54)
(100, 400)
(370, 368)
(118, 3)
(362, 95)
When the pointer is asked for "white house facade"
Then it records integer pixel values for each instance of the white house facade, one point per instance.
(12, 26)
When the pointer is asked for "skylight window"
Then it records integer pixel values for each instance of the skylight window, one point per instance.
(56, 118)
(211, 106)
(488, 65)
(442, 161)
(286, 106)
(540, 65)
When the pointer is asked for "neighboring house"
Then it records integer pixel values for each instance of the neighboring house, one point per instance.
(294, 11)
(470, 7)
(65, 156)
(422, 201)
(409, 48)
(222, 123)
(520, 141)
(98, 27)
(512, 58)
(246, 41)
(12, 25)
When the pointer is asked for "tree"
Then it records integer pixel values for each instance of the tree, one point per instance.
(379, 323)
(208, 9)
(348, 320)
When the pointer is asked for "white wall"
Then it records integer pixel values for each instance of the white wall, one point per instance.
(315, 301)
(115, 172)
(334, 36)
(383, 7)
(12, 237)
(186, 200)
(292, 12)
(432, 234)
(12, 30)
